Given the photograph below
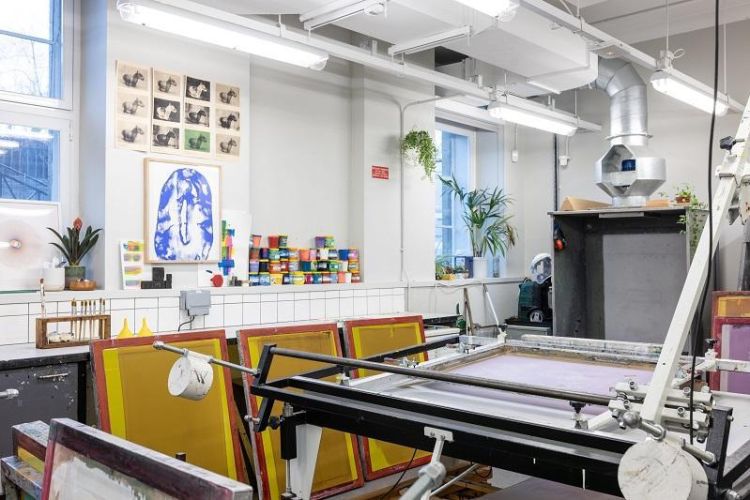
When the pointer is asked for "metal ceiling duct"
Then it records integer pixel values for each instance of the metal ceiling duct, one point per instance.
(629, 172)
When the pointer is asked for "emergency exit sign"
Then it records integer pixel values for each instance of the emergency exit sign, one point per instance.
(380, 172)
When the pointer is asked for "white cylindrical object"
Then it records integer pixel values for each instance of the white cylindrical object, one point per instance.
(479, 266)
(190, 377)
(54, 279)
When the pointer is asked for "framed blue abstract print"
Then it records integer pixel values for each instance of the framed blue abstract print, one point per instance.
(182, 212)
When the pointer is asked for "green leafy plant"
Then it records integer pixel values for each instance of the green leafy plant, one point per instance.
(484, 213)
(72, 246)
(443, 270)
(694, 217)
(685, 193)
(420, 142)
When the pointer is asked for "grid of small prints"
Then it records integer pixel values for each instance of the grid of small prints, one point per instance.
(166, 112)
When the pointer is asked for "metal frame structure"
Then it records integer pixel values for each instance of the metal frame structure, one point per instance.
(572, 456)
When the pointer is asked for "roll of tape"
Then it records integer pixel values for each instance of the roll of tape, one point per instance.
(191, 378)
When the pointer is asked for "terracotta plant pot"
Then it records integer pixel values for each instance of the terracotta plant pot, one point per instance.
(682, 199)
(74, 273)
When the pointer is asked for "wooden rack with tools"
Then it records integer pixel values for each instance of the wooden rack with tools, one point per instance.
(86, 323)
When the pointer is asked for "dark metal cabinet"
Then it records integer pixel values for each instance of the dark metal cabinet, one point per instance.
(45, 392)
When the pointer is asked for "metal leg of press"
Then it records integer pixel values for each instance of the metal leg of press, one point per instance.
(431, 475)
(288, 448)
(299, 449)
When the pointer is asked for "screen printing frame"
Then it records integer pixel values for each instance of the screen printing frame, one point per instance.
(570, 456)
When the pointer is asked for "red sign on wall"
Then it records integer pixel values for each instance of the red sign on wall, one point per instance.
(380, 172)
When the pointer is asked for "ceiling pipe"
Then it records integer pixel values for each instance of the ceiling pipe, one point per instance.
(628, 105)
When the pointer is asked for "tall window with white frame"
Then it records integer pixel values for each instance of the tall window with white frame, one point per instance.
(35, 97)
(456, 158)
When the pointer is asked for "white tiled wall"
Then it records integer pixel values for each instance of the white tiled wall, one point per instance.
(162, 314)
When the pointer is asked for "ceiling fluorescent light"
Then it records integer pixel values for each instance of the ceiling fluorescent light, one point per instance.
(340, 10)
(504, 10)
(665, 83)
(183, 22)
(6, 144)
(542, 119)
(429, 42)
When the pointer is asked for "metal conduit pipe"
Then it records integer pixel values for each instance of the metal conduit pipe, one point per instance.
(628, 105)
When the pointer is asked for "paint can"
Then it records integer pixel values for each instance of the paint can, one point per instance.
(264, 253)
(284, 266)
(274, 266)
(273, 241)
(274, 254)
(255, 240)
(345, 277)
(254, 266)
(264, 279)
(283, 253)
(320, 241)
(322, 253)
(283, 240)
(190, 377)
(343, 265)
(263, 266)
(356, 278)
(298, 278)
(344, 254)
(325, 278)
(334, 277)
(304, 254)
(353, 254)
(308, 278)
(253, 279)
(322, 265)
(333, 266)
(293, 253)
(286, 279)
(317, 278)
(293, 265)
(308, 266)
(353, 266)
(276, 278)
(254, 253)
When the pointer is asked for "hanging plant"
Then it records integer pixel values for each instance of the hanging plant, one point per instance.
(419, 143)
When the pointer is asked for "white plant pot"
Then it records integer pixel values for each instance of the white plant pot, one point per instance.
(479, 267)
(54, 279)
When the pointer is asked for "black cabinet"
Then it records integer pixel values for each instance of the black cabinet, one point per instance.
(45, 392)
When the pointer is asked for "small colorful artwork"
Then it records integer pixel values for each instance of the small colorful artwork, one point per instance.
(183, 207)
(132, 264)
(198, 141)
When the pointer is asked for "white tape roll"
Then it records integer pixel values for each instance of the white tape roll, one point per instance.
(190, 378)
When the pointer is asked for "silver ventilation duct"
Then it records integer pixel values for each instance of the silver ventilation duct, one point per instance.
(628, 171)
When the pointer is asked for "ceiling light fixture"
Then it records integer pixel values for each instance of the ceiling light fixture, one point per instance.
(503, 10)
(340, 10)
(521, 111)
(667, 84)
(189, 23)
(429, 42)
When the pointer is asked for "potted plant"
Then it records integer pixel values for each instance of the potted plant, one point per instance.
(484, 213)
(74, 249)
(695, 215)
(419, 147)
(684, 194)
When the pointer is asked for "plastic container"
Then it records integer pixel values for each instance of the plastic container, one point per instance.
(254, 253)
(298, 278)
(274, 266)
(293, 253)
(263, 266)
(293, 265)
(253, 279)
(344, 254)
(254, 266)
(317, 278)
(286, 279)
(284, 266)
(356, 278)
(264, 279)
(283, 241)
(264, 253)
(308, 278)
(304, 254)
(274, 254)
(346, 277)
(308, 266)
(330, 242)
(255, 240)
(333, 266)
(322, 253)
(273, 241)
(276, 278)
(353, 266)
(322, 265)
(325, 278)
(334, 277)
(320, 241)
(283, 253)
(353, 254)
(343, 265)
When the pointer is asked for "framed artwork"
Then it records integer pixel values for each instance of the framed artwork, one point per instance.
(83, 462)
(131, 264)
(182, 211)
(133, 106)
(198, 89)
(228, 95)
(133, 77)
(167, 84)
(730, 329)
(338, 467)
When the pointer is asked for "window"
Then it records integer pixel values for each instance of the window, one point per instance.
(29, 162)
(456, 157)
(35, 56)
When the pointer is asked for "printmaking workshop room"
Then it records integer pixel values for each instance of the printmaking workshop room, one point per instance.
(375, 249)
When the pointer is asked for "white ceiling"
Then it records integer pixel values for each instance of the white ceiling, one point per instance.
(638, 20)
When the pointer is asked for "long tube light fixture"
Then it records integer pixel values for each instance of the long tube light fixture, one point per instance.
(517, 110)
(429, 42)
(665, 83)
(187, 23)
(503, 10)
(340, 10)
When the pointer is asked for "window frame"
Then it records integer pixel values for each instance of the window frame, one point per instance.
(470, 132)
(66, 69)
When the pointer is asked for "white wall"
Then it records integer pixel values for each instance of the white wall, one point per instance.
(680, 134)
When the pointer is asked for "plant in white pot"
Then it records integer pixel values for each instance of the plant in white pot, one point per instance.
(484, 213)
(74, 249)
(418, 148)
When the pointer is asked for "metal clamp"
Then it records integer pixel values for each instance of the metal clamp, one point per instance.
(704, 456)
